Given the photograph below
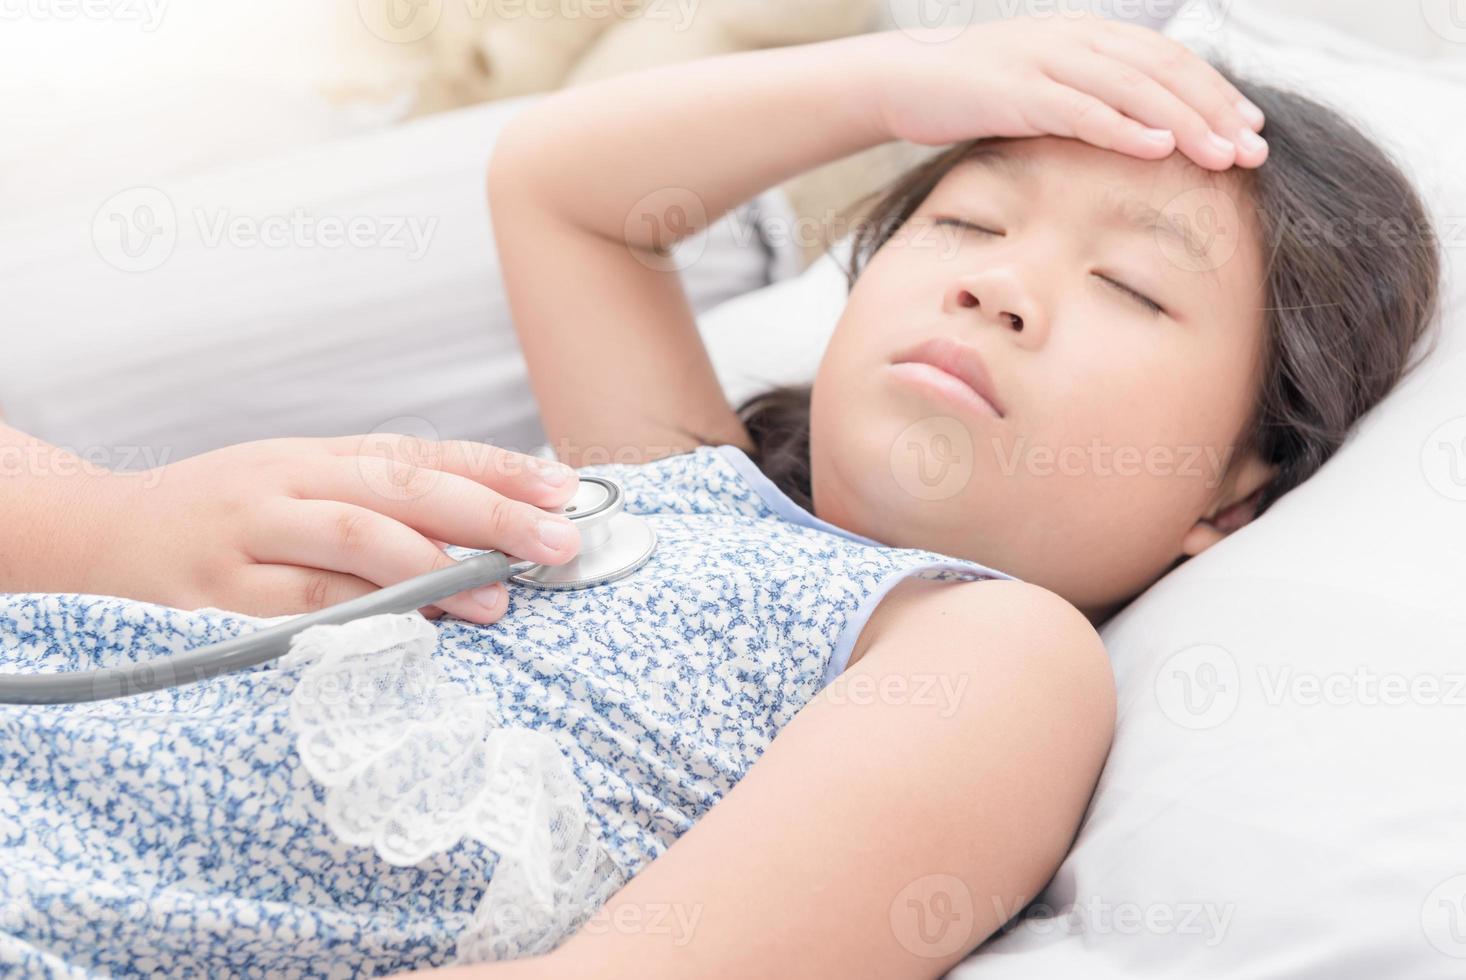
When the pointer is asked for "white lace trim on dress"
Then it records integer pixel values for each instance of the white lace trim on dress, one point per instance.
(413, 763)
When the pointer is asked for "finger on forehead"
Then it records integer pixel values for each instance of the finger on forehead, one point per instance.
(1211, 91)
(513, 474)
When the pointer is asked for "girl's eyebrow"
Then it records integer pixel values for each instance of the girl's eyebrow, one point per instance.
(1120, 211)
(1141, 216)
(995, 159)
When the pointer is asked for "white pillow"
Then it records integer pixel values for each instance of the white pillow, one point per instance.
(777, 335)
(1283, 796)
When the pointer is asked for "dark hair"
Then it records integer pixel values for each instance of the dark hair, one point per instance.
(1342, 316)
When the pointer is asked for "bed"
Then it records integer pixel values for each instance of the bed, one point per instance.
(1282, 798)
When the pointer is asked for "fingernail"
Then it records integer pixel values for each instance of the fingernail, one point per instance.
(1221, 143)
(556, 535)
(1250, 112)
(1157, 135)
(1250, 140)
(491, 597)
(553, 473)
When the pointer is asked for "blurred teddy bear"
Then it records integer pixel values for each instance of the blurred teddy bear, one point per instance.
(443, 54)
(491, 49)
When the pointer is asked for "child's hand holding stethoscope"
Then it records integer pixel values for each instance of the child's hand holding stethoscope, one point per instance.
(286, 526)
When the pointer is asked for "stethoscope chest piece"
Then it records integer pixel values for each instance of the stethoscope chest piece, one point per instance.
(613, 543)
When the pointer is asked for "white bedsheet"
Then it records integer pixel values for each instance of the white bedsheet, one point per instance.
(252, 312)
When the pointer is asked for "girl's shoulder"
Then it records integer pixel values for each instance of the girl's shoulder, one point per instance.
(969, 617)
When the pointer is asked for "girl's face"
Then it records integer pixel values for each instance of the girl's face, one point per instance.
(1115, 451)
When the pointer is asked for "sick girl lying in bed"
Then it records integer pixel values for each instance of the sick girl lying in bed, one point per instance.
(847, 719)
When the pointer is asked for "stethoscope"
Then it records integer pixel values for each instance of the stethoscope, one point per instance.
(613, 545)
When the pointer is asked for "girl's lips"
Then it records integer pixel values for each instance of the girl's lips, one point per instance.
(942, 362)
(945, 386)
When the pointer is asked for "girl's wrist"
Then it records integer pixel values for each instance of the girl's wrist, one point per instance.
(60, 507)
(859, 66)
(901, 71)
(93, 513)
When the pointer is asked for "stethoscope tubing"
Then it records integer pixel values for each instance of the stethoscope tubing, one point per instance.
(247, 650)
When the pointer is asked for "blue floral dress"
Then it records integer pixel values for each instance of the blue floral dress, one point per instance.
(396, 793)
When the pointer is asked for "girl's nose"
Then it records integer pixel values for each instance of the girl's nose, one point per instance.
(1000, 297)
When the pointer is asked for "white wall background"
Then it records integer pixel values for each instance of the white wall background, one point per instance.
(101, 94)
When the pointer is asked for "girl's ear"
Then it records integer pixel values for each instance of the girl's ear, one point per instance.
(1234, 509)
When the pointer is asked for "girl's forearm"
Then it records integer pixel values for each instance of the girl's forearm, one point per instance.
(723, 128)
(47, 495)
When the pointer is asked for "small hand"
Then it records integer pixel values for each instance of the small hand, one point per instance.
(1114, 85)
(285, 526)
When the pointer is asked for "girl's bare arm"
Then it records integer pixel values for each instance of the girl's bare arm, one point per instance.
(589, 184)
(46, 497)
(902, 817)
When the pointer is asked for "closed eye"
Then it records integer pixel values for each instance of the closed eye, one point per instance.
(959, 223)
(1136, 295)
(1139, 297)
